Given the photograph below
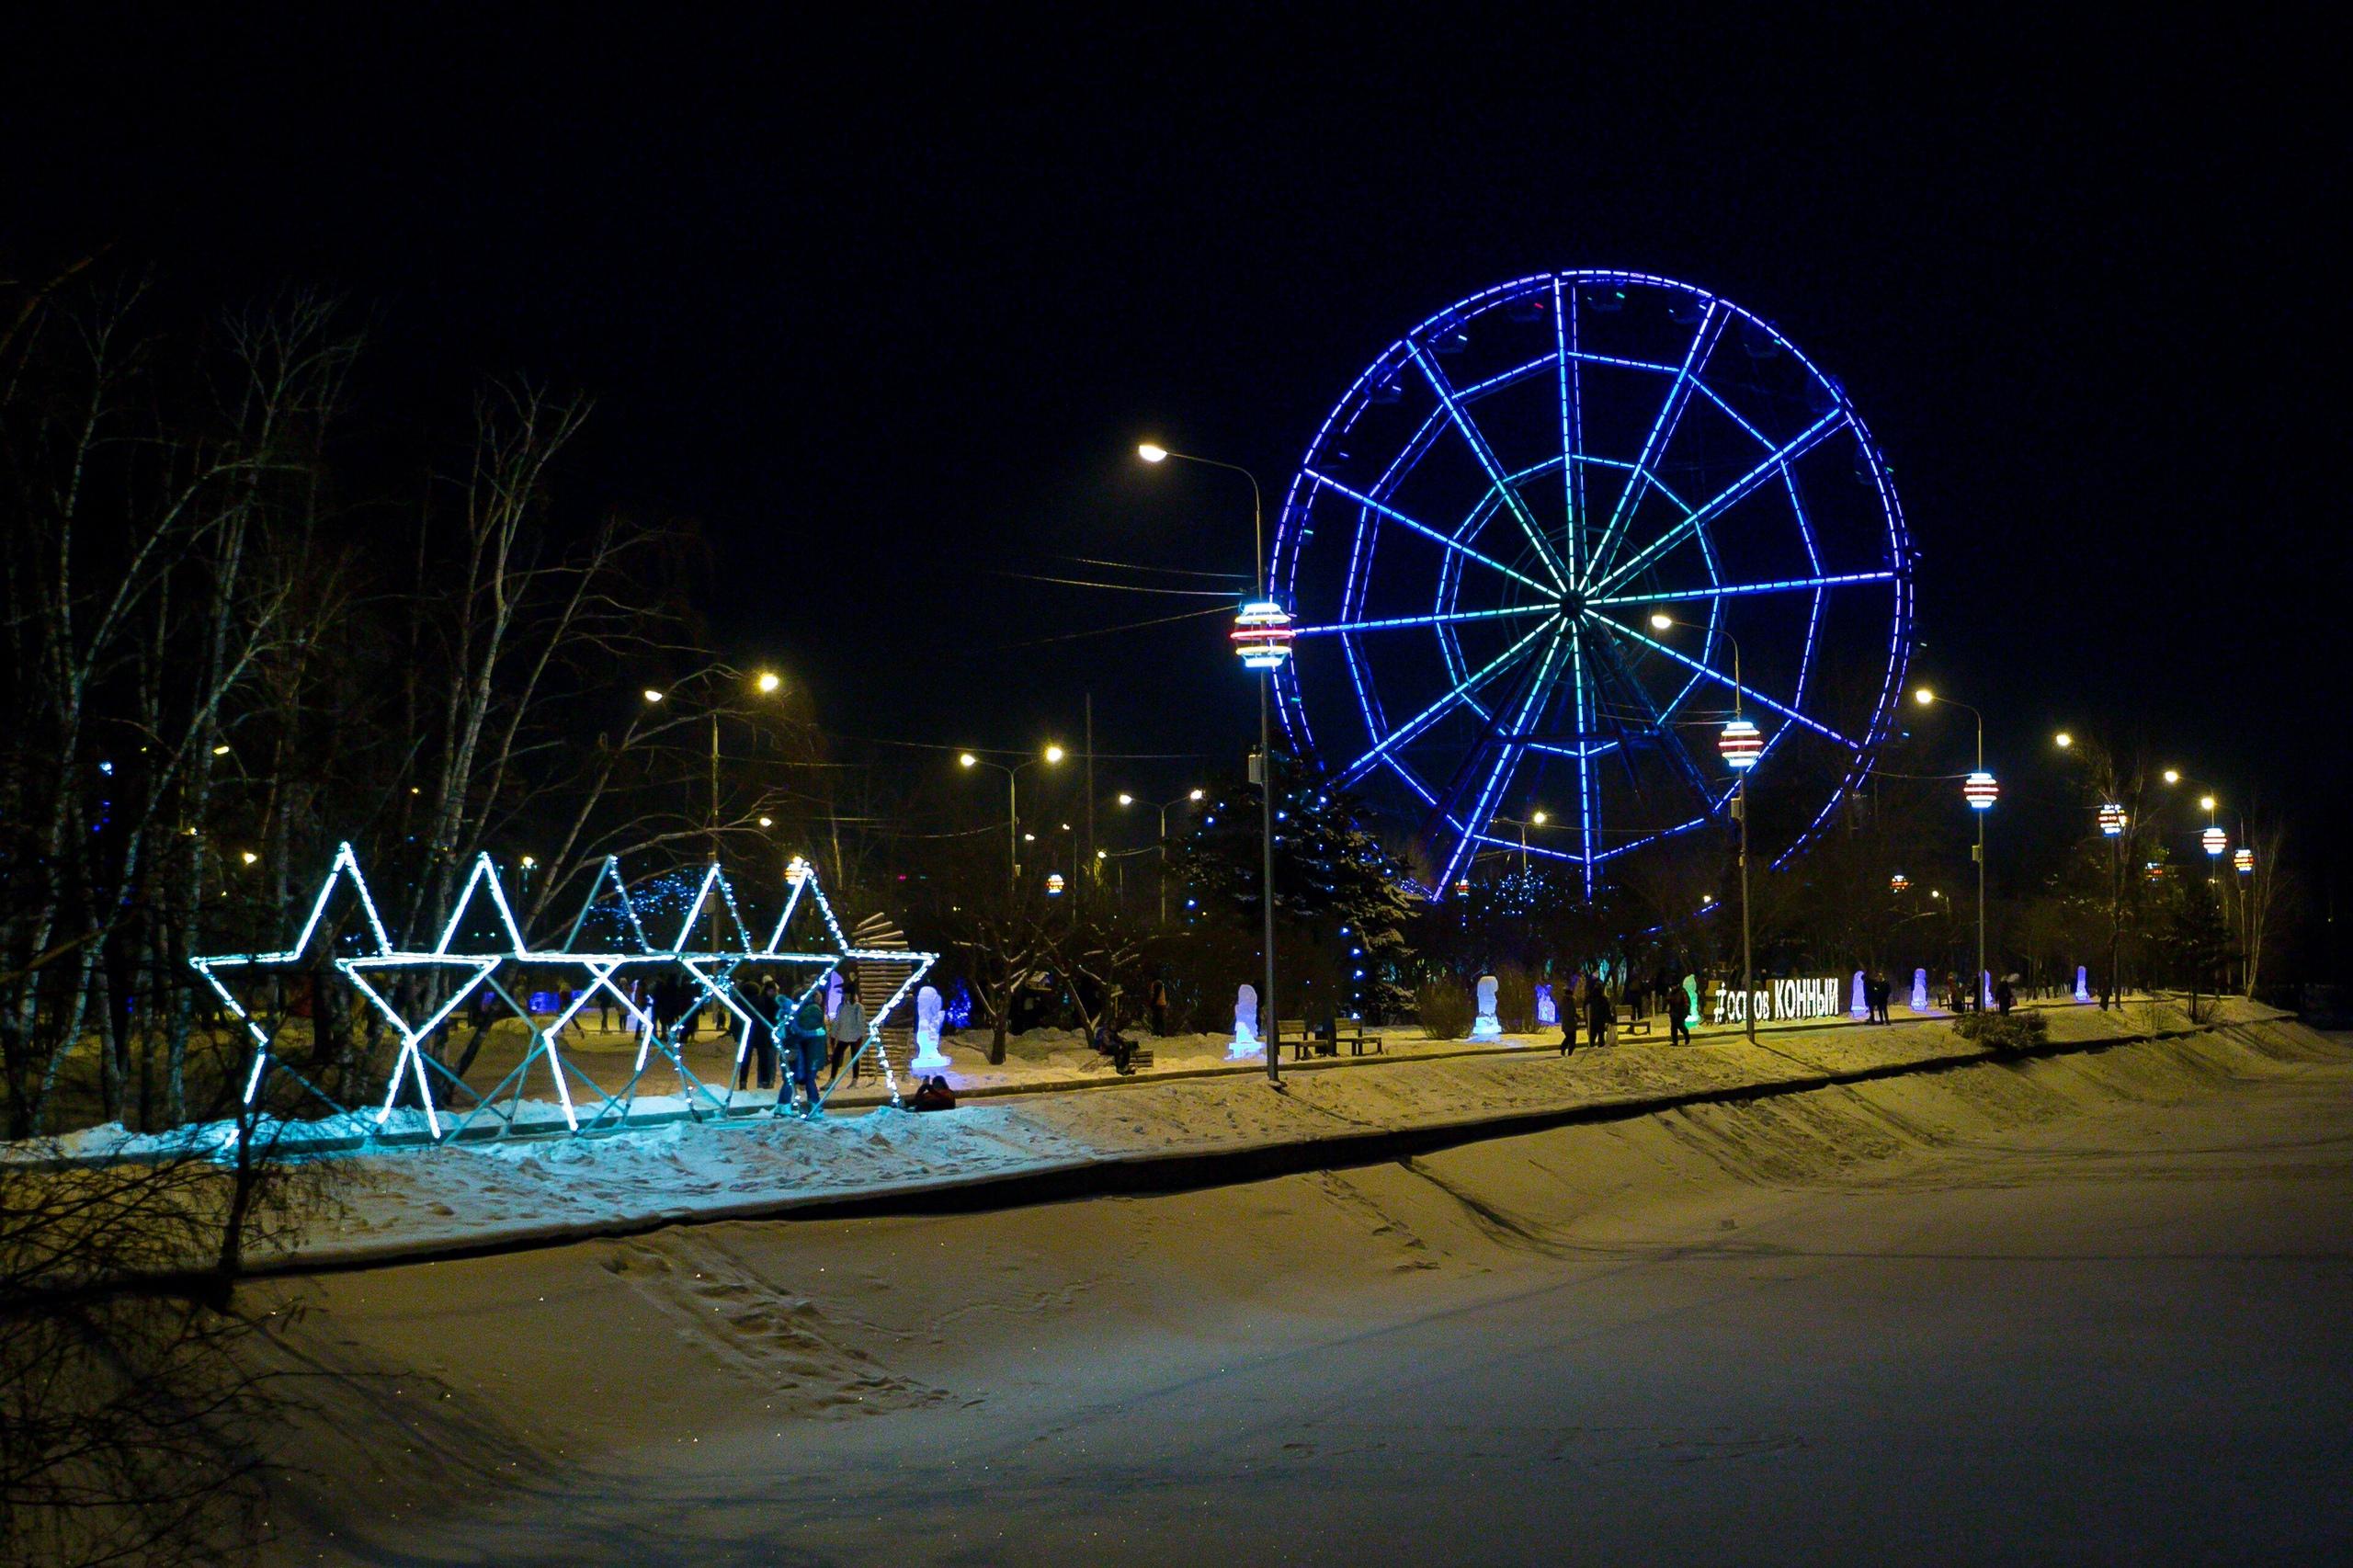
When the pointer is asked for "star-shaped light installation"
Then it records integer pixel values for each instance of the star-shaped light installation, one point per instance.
(457, 974)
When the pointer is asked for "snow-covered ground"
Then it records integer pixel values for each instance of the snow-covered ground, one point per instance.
(2087, 1309)
(415, 1201)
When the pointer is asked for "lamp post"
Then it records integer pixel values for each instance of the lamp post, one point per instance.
(1053, 754)
(1189, 796)
(1533, 819)
(1262, 636)
(766, 683)
(2112, 824)
(1741, 744)
(1979, 790)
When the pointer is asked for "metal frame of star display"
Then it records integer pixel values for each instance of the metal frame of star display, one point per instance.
(712, 969)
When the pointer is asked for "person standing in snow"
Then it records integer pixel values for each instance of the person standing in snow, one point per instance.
(848, 1031)
(805, 1038)
(1599, 1014)
(767, 1025)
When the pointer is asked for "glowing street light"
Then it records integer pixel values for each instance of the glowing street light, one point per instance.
(1262, 636)
(2205, 802)
(1741, 744)
(249, 856)
(768, 681)
(768, 822)
(2173, 775)
(2062, 739)
(221, 751)
(1979, 790)
(651, 695)
(1013, 838)
(1195, 797)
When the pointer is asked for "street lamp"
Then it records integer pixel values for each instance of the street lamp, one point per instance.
(1980, 791)
(1741, 744)
(1262, 636)
(1193, 796)
(1013, 834)
(1535, 819)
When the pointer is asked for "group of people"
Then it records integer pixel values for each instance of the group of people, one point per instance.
(801, 1039)
(1590, 996)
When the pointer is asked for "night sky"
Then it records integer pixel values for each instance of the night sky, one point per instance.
(884, 308)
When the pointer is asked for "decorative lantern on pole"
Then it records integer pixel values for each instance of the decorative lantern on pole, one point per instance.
(1262, 634)
(1980, 791)
(2111, 820)
(1741, 744)
(2215, 840)
(1898, 882)
(1053, 884)
(2244, 861)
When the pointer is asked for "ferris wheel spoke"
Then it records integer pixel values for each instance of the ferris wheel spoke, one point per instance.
(1728, 590)
(1548, 589)
(1712, 672)
(1564, 326)
(1511, 748)
(1655, 725)
(1485, 454)
(1805, 441)
(1437, 710)
(1670, 415)
(1445, 618)
(1588, 817)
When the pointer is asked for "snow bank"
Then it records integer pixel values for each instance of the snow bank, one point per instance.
(423, 1202)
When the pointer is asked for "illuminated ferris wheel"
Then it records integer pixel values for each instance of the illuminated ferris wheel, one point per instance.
(1553, 542)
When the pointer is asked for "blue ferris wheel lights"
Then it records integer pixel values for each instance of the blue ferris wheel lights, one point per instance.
(1735, 542)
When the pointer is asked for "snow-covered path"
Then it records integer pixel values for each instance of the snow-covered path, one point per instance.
(423, 1202)
(2094, 1309)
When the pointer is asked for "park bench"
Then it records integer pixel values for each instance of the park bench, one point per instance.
(1139, 1059)
(1325, 1040)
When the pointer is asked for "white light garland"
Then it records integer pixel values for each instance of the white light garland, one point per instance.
(712, 969)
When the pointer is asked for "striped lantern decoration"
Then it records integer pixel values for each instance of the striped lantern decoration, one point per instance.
(2244, 861)
(1979, 790)
(1262, 634)
(2215, 840)
(2111, 820)
(1898, 882)
(1741, 744)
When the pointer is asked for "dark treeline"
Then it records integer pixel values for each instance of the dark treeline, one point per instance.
(242, 626)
